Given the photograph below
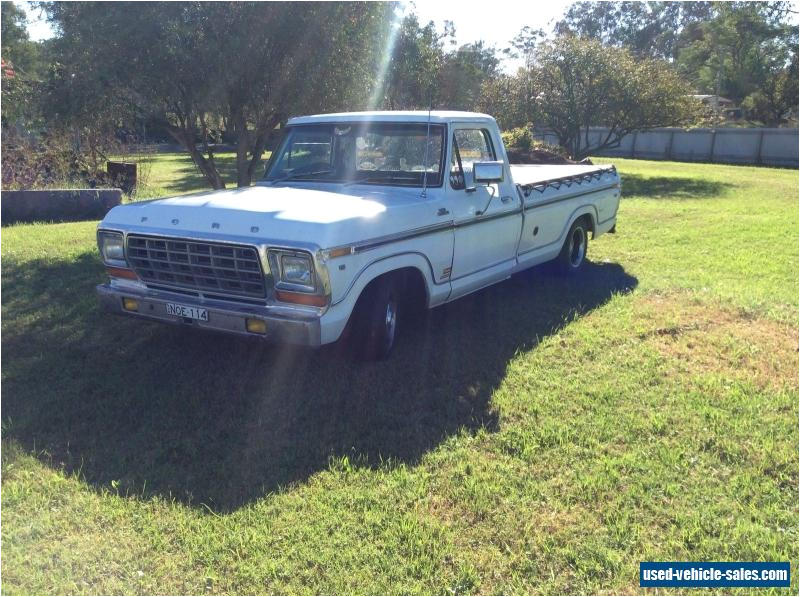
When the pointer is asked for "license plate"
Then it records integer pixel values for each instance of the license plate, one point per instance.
(186, 311)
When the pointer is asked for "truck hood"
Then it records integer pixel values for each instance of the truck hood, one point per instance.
(285, 214)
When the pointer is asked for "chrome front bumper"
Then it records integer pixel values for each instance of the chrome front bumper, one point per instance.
(302, 328)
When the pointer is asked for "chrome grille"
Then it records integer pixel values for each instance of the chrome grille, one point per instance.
(197, 265)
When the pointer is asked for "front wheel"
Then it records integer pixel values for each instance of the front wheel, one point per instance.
(573, 253)
(376, 324)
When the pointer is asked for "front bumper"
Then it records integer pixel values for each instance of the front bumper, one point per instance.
(301, 328)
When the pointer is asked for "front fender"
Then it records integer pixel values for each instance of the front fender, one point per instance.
(337, 316)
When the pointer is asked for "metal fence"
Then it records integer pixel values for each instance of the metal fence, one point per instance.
(773, 147)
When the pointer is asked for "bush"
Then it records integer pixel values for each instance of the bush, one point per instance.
(519, 138)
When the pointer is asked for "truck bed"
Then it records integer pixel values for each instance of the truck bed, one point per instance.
(530, 176)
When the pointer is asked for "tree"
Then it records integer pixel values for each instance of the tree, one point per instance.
(17, 47)
(201, 67)
(740, 50)
(463, 74)
(582, 83)
(646, 28)
(416, 59)
(21, 69)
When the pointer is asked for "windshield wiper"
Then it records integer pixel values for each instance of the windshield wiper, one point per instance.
(299, 176)
(386, 178)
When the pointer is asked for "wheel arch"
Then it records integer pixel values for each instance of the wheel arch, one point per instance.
(411, 269)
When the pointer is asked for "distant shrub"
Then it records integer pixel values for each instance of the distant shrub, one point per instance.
(519, 138)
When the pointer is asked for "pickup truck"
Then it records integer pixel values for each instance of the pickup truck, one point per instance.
(359, 217)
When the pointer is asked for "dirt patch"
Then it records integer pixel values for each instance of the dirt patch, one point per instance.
(540, 156)
(703, 338)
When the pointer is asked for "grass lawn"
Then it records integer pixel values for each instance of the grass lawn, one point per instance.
(544, 435)
(163, 174)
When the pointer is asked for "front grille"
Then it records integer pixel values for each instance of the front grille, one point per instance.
(197, 265)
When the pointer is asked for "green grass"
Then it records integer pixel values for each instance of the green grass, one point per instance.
(165, 174)
(544, 435)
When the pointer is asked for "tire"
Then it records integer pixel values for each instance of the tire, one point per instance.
(573, 253)
(376, 321)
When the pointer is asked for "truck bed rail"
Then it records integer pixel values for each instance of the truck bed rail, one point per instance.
(540, 186)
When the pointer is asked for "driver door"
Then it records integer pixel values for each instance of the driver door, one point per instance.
(487, 219)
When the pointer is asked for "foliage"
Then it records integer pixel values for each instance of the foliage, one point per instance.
(650, 29)
(518, 138)
(581, 83)
(22, 66)
(463, 74)
(745, 50)
(509, 99)
(145, 459)
(202, 66)
(416, 56)
(17, 47)
(523, 148)
(740, 50)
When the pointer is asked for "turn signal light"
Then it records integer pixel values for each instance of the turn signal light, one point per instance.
(256, 326)
(299, 298)
(130, 304)
(121, 272)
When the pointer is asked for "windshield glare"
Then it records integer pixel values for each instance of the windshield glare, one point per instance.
(369, 153)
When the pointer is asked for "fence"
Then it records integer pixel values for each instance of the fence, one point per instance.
(773, 147)
(67, 205)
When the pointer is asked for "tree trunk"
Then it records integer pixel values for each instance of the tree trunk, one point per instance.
(206, 165)
(252, 143)
(260, 143)
(243, 177)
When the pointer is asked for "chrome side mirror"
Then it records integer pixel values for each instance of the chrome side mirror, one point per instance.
(488, 172)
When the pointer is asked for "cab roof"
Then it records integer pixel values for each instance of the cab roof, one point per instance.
(437, 116)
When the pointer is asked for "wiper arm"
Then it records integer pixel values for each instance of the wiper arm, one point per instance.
(299, 175)
(379, 179)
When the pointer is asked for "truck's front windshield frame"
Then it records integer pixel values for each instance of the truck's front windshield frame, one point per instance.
(373, 152)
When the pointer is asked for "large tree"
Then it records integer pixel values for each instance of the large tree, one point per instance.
(581, 83)
(646, 28)
(463, 74)
(22, 68)
(202, 67)
(741, 50)
(413, 62)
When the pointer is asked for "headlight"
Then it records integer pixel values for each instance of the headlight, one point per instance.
(297, 270)
(293, 271)
(112, 248)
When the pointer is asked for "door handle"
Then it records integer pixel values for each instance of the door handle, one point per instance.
(506, 199)
(442, 212)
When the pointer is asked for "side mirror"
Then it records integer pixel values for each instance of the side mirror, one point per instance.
(487, 172)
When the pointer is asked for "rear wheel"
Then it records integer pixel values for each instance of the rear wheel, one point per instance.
(573, 253)
(376, 321)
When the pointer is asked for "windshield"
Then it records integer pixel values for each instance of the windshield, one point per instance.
(365, 152)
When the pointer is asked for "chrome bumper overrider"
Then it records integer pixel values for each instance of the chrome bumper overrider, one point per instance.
(302, 329)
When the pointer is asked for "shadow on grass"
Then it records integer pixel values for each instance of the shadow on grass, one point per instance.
(671, 187)
(212, 419)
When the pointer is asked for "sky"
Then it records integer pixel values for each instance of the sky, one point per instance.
(496, 22)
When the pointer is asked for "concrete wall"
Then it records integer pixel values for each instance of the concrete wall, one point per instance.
(68, 205)
(773, 147)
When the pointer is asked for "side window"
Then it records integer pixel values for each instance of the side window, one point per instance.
(469, 146)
